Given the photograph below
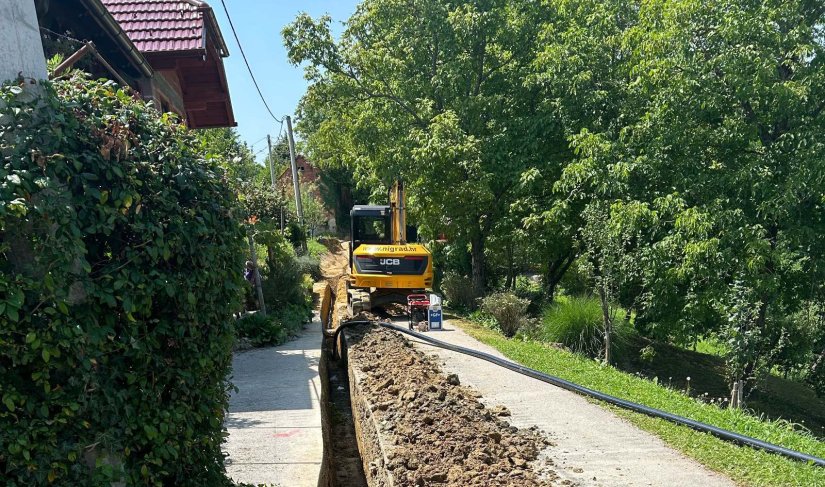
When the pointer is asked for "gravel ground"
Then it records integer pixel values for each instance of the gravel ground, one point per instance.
(436, 431)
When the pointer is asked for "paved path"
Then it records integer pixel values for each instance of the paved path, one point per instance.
(593, 447)
(274, 419)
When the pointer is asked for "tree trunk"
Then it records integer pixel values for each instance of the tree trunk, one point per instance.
(477, 255)
(749, 377)
(608, 323)
(510, 283)
(258, 288)
(556, 269)
(819, 361)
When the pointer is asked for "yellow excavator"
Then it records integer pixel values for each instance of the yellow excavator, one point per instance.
(385, 265)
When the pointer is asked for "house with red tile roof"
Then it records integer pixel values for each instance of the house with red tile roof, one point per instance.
(171, 51)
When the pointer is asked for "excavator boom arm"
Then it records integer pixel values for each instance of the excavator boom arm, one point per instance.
(398, 210)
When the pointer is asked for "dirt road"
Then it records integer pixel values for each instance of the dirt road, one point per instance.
(593, 447)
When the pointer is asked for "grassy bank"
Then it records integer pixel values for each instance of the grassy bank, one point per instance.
(743, 465)
(576, 322)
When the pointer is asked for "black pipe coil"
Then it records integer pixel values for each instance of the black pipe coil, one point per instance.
(570, 386)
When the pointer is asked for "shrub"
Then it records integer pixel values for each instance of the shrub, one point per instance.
(273, 329)
(647, 354)
(260, 330)
(459, 291)
(283, 283)
(295, 234)
(484, 319)
(577, 323)
(121, 252)
(315, 248)
(509, 310)
(309, 265)
(530, 290)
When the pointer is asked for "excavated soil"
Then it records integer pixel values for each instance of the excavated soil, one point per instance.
(433, 430)
(335, 262)
(334, 269)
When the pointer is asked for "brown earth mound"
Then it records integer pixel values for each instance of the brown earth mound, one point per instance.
(334, 264)
(334, 269)
(435, 431)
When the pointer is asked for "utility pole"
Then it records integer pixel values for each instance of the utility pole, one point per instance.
(272, 175)
(283, 198)
(298, 205)
(271, 162)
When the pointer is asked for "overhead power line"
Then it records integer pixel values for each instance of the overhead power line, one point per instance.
(243, 55)
(258, 141)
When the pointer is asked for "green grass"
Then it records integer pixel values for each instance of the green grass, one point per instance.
(743, 465)
(711, 346)
(316, 248)
(775, 397)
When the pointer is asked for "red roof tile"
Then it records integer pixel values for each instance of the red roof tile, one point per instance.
(161, 25)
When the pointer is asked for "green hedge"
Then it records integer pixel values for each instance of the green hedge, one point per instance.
(121, 254)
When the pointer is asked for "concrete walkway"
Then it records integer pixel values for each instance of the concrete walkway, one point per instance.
(274, 419)
(593, 447)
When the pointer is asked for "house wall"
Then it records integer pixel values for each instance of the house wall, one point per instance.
(307, 173)
(21, 49)
(167, 86)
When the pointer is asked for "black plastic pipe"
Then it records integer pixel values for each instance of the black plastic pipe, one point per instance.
(570, 386)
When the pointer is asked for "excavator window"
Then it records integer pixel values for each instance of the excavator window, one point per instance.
(371, 229)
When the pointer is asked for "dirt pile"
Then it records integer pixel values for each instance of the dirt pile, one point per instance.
(433, 430)
(334, 269)
(334, 263)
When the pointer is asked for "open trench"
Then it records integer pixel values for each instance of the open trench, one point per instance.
(342, 464)
(343, 436)
(391, 417)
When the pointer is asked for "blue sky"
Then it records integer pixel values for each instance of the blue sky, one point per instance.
(259, 24)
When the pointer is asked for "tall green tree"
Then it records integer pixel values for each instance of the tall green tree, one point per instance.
(279, 156)
(720, 137)
(581, 69)
(432, 92)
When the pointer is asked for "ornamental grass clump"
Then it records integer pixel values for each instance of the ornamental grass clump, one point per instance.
(578, 324)
(121, 251)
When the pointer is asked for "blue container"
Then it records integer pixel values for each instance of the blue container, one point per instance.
(434, 317)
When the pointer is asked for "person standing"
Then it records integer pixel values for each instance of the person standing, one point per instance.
(249, 277)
